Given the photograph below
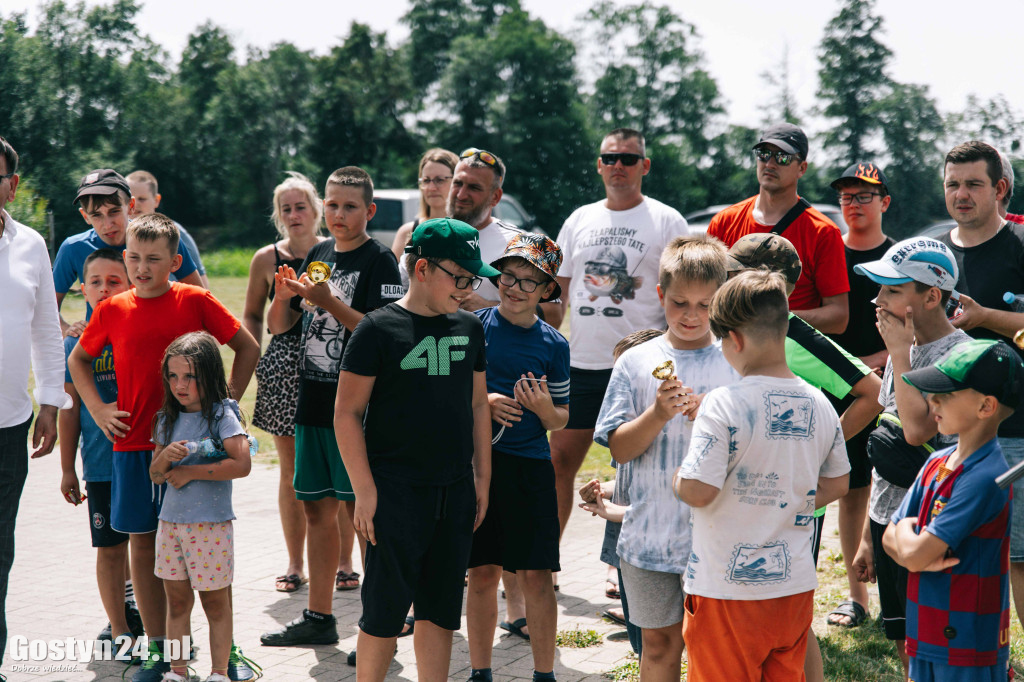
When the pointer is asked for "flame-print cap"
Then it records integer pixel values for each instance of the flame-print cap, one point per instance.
(864, 171)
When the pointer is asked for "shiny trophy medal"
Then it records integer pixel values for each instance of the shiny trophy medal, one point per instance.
(664, 370)
(318, 272)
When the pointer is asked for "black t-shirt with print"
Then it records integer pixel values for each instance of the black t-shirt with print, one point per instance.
(419, 421)
(861, 336)
(365, 278)
(987, 271)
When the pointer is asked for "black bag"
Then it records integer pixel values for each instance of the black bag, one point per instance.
(895, 460)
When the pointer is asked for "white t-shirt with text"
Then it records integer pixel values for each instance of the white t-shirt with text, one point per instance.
(763, 442)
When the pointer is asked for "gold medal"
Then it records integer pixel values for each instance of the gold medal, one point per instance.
(1018, 338)
(318, 272)
(664, 370)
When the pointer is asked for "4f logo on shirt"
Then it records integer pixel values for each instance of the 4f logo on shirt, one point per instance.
(437, 355)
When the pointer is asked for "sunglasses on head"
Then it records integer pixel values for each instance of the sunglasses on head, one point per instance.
(781, 158)
(627, 159)
(484, 156)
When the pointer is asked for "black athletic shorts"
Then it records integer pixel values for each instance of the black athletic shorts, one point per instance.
(423, 538)
(817, 526)
(520, 530)
(857, 451)
(892, 587)
(98, 498)
(586, 393)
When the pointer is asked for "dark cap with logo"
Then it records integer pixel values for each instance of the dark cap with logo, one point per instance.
(103, 181)
(865, 172)
(451, 239)
(989, 367)
(787, 137)
(765, 249)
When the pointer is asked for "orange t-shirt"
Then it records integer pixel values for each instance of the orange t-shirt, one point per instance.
(816, 238)
(140, 329)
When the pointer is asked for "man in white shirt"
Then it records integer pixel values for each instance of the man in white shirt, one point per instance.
(28, 304)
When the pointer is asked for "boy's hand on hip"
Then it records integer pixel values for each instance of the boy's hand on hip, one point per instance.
(109, 420)
(362, 517)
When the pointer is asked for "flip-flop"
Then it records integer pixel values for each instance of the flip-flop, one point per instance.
(613, 617)
(611, 589)
(343, 577)
(293, 581)
(852, 610)
(515, 628)
(411, 622)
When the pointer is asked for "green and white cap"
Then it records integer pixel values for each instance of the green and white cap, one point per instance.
(451, 239)
(989, 367)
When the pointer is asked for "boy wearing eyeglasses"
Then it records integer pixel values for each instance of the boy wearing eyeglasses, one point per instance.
(528, 393)
(363, 276)
(413, 427)
(820, 297)
(863, 194)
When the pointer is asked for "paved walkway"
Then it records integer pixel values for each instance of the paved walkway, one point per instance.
(53, 596)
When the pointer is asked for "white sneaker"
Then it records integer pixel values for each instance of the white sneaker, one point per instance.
(217, 677)
(171, 676)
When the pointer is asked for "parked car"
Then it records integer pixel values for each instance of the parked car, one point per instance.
(699, 220)
(936, 230)
(395, 207)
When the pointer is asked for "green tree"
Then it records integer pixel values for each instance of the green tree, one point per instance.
(782, 106)
(852, 79)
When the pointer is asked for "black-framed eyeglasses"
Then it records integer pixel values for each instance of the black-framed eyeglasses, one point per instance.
(461, 281)
(781, 158)
(859, 197)
(611, 158)
(438, 181)
(527, 286)
(4, 177)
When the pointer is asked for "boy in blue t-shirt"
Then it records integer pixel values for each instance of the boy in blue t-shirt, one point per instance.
(105, 200)
(958, 592)
(528, 393)
(103, 275)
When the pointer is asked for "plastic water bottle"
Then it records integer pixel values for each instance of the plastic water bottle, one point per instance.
(1015, 301)
(204, 447)
(954, 308)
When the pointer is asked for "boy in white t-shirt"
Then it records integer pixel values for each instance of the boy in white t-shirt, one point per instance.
(764, 454)
(646, 422)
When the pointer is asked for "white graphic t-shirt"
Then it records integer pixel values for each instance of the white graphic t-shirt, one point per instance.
(612, 258)
(656, 529)
(763, 442)
(493, 240)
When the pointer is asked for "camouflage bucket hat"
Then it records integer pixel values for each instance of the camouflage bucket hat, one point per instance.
(766, 249)
(538, 251)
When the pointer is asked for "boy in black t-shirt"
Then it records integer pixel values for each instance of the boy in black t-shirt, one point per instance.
(363, 277)
(413, 379)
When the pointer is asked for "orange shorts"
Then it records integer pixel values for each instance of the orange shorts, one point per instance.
(740, 641)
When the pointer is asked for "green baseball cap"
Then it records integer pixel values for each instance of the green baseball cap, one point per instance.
(451, 239)
(989, 367)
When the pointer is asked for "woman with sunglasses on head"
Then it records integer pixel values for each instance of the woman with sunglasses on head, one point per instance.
(437, 168)
(297, 217)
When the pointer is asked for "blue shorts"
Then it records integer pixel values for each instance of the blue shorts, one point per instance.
(134, 499)
(927, 671)
(1013, 451)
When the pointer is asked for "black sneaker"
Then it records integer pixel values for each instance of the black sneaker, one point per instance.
(303, 630)
(240, 667)
(105, 634)
(134, 619)
(153, 666)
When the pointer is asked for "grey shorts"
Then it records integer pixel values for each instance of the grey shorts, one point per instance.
(655, 598)
(1013, 451)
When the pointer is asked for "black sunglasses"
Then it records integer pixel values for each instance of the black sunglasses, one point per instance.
(627, 159)
(4, 177)
(781, 158)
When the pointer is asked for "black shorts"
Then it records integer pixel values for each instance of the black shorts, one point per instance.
(98, 499)
(423, 538)
(817, 526)
(857, 451)
(892, 587)
(586, 393)
(520, 530)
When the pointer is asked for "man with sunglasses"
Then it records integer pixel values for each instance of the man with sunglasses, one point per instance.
(609, 273)
(28, 331)
(820, 298)
(863, 194)
(475, 191)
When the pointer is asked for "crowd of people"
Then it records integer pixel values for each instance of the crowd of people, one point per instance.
(423, 402)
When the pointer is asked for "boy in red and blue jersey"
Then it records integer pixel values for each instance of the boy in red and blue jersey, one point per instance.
(952, 531)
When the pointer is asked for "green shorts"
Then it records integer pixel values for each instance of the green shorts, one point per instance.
(319, 471)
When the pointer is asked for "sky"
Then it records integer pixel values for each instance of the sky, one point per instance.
(739, 38)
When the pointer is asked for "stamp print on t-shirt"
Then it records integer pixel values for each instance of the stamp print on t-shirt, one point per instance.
(759, 564)
(790, 416)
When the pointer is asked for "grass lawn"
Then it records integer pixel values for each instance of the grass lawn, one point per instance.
(850, 655)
